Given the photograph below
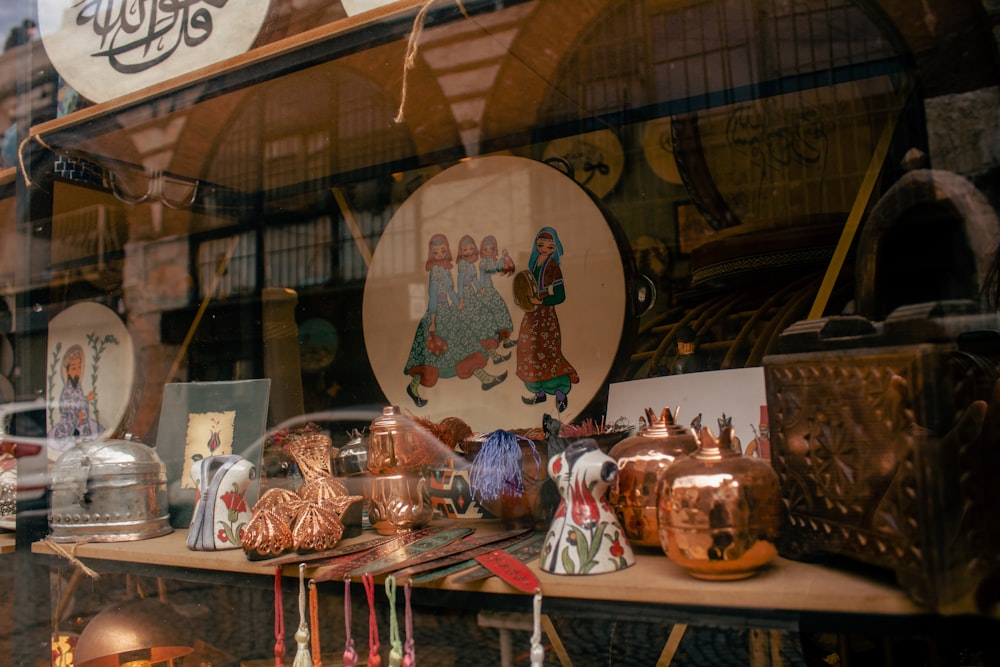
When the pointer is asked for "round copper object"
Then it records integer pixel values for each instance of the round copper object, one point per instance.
(719, 512)
(141, 629)
(641, 459)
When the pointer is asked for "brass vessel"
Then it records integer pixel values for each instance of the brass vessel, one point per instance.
(642, 459)
(400, 445)
(719, 512)
(399, 503)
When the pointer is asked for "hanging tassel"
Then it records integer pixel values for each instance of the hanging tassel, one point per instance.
(374, 659)
(279, 621)
(396, 644)
(350, 655)
(302, 657)
(314, 622)
(537, 650)
(409, 652)
(497, 468)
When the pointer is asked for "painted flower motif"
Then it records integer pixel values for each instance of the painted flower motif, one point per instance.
(617, 550)
(222, 536)
(585, 511)
(234, 502)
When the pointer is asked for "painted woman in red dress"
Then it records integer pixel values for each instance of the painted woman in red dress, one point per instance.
(540, 362)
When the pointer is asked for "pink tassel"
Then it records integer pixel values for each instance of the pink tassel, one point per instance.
(409, 650)
(350, 655)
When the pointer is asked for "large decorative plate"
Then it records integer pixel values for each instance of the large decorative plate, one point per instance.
(107, 49)
(489, 362)
(90, 369)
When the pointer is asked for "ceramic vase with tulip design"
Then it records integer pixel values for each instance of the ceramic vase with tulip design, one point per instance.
(585, 536)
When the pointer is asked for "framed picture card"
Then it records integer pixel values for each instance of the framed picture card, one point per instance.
(203, 419)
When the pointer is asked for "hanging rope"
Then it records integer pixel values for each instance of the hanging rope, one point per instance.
(302, 657)
(409, 652)
(68, 555)
(374, 659)
(396, 652)
(410, 59)
(20, 155)
(279, 621)
(350, 655)
(314, 622)
(411, 55)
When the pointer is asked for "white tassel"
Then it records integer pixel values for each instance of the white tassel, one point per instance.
(537, 650)
(303, 658)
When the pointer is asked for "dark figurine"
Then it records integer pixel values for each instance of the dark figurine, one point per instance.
(689, 359)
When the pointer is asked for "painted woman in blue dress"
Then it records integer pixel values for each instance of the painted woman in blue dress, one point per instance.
(444, 344)
(472, 301)
(492, 263)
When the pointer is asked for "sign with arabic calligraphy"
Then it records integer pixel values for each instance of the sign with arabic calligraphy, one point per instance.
(107, 48)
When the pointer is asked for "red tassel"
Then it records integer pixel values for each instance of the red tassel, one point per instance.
(374, 659)
(279, 621)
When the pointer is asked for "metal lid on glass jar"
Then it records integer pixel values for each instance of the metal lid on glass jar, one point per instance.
(108, 491)
(352, 458)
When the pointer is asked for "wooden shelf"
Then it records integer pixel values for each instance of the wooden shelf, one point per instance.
(784, 587)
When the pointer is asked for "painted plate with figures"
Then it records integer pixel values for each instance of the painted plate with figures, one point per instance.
(90, 371)
(444, 332)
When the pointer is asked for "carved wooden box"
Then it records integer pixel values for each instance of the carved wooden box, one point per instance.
(888, 447)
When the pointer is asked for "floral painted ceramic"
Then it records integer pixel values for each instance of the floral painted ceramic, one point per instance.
(585, 536)
(221, 511)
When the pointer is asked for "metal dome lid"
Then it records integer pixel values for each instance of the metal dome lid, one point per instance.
(108, 491)
(106, 457)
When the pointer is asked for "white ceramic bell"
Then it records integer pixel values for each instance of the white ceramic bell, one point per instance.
(222, 509)
(585, 536)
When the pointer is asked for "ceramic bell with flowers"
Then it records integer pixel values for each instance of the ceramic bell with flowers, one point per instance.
(222, 509)
(585, 536)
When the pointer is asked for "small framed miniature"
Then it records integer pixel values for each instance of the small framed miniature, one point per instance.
(203, 419)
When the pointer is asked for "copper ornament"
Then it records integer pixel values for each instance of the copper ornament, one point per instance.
(266, 535)
(322, 490)
(316, 529)
(719, 512)
(312, 454)
(641, 459)
(283, 503)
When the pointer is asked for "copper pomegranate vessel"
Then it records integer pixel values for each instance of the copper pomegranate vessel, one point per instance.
(719, 512)
(642, 459)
